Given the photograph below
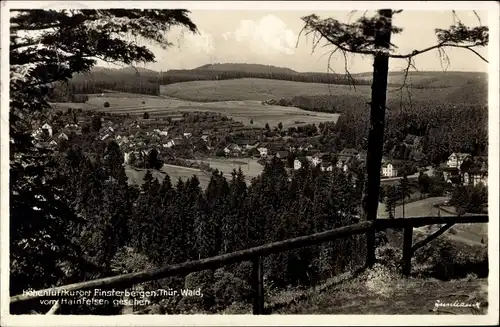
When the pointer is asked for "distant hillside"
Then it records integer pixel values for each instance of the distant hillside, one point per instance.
(246, 68)
(140, 70)
(451, 86)
(433, 79)
(457, 90)
(105, 74)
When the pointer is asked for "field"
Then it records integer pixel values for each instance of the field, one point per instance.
(135, 176)
(250, 167)
(264, 89)
(242, 111)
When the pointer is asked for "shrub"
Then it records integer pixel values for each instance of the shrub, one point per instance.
(106, 104)
(146, 115)
(389, 256)
(203, 280)
(143, 102)
(443, 260)
(243, 271)
(229, 289)
(381, 280)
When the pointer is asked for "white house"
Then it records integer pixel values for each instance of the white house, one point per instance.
(63, 136)
(318, 158)
(455, 160)
(326, 166)
(169, 144)
(188, 135)
(263, 152)
(297, 164)
(204, 138)
(390, 169)
(126, 157)
(232, 148)
(315, 161)
(162, 133)
(104, 137)
(36, 134)
(475, 178)
(48, 128)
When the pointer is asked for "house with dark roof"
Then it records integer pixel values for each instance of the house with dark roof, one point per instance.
(361, 156)
(282, 154)
(346, 155)
(391, 168)
(50, 142)
(474, 172)
(456, 159)
(318, 157)
(349, 152)
(326, 166)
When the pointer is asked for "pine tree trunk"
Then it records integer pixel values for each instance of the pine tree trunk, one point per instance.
(376, 132)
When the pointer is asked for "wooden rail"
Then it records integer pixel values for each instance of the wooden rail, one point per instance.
(255, 255)
(203, 264)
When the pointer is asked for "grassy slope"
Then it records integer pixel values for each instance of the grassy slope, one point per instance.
(242, 111)
(366, 295)
(459, 88)
(250, 167)
(175, 172)
(376, 291)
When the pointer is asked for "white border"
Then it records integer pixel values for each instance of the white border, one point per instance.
(298, 320)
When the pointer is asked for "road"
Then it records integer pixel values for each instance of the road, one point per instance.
(464, 233)
(391, 180)
(421, 208)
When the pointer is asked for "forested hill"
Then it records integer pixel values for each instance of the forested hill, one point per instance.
(246, 68)
(146, 81)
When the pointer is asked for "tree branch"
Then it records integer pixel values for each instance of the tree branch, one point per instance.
(408, 55)
(358, 38)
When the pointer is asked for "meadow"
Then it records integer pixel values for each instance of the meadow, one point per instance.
(443, 88)
(136, 176)
(247, 112)
(250, 167)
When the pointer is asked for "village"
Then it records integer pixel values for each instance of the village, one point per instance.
(179, 140)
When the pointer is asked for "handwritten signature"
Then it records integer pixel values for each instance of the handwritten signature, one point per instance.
(456, 304)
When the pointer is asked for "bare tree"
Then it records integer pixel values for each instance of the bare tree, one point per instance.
(372, 36)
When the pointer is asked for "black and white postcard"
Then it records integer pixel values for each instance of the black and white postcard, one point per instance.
(249, 163)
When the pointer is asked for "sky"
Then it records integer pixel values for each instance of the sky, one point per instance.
(270, 38)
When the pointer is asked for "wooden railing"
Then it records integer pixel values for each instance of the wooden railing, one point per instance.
(255, 255)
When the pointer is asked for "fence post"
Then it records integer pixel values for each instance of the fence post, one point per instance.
(407, 253)
(258, 286)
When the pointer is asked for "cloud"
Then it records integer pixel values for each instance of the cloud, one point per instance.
(267, 36)
(202, 42)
